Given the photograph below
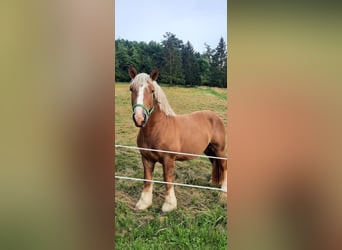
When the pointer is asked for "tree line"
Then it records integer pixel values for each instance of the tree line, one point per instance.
(178, 62)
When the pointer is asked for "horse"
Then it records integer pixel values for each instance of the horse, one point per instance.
(161, 128)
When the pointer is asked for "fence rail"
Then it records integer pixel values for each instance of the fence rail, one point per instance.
(170, 152)
(173, 183)
(164, 182)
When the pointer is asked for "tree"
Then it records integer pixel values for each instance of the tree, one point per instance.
(172, 66)
(178, 63)
(155, 51)
(190, 65)
(208, 54)
(204, 68)
(218, 65)
(121, 60)
(142, 55)
(135, 54)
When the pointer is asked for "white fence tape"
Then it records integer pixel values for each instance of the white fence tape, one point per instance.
(173, 183)
(170, 152)
(164, 182)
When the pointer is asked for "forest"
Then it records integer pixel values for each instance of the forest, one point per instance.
(178, 62)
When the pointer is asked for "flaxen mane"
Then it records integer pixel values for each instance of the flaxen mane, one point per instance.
(162, 100)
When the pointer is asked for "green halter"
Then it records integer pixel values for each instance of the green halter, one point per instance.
(149, 112)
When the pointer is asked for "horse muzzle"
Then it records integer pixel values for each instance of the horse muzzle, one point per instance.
(140, 120)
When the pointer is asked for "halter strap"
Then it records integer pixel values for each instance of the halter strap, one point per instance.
(149, 112)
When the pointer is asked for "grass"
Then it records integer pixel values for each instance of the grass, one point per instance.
(219, 93)
(175, 230)
(200, 220)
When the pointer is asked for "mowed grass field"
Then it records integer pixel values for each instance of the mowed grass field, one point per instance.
(200, 221)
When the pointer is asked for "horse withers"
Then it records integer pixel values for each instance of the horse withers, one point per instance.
(161, 128)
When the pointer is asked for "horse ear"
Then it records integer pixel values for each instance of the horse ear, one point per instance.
(154, 74)
(132, 71)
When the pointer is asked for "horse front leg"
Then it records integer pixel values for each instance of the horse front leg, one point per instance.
(146, 196)
(170, 198)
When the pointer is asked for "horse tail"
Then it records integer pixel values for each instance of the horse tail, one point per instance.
(218, 171)
(215, 174)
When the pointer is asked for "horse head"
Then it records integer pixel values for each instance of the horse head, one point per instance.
(142, 95)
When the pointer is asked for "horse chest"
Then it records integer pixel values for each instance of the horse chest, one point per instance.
(159, 140)
(156, 137)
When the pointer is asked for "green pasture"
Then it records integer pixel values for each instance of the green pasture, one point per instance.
(200, 221)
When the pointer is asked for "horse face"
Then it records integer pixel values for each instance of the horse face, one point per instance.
(142, 97)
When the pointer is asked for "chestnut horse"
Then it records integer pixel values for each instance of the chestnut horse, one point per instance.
(161, 128)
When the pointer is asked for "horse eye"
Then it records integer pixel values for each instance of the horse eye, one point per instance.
(152, 91)
(130, 89)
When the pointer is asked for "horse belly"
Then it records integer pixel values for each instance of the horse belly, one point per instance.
(194, 142)
(180, 157)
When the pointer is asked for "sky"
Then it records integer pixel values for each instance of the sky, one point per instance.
(197, 21)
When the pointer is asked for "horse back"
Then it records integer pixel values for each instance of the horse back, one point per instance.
(206, 120)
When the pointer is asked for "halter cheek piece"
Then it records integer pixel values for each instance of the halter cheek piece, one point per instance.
(148, 112)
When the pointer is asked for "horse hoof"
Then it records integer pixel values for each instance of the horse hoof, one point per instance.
(142, 205)
(223, 198)
(168, 207)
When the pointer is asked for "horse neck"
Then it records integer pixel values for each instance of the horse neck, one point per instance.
(156, 118)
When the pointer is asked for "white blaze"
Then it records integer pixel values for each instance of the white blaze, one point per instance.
(139, 111)
(140, 99)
